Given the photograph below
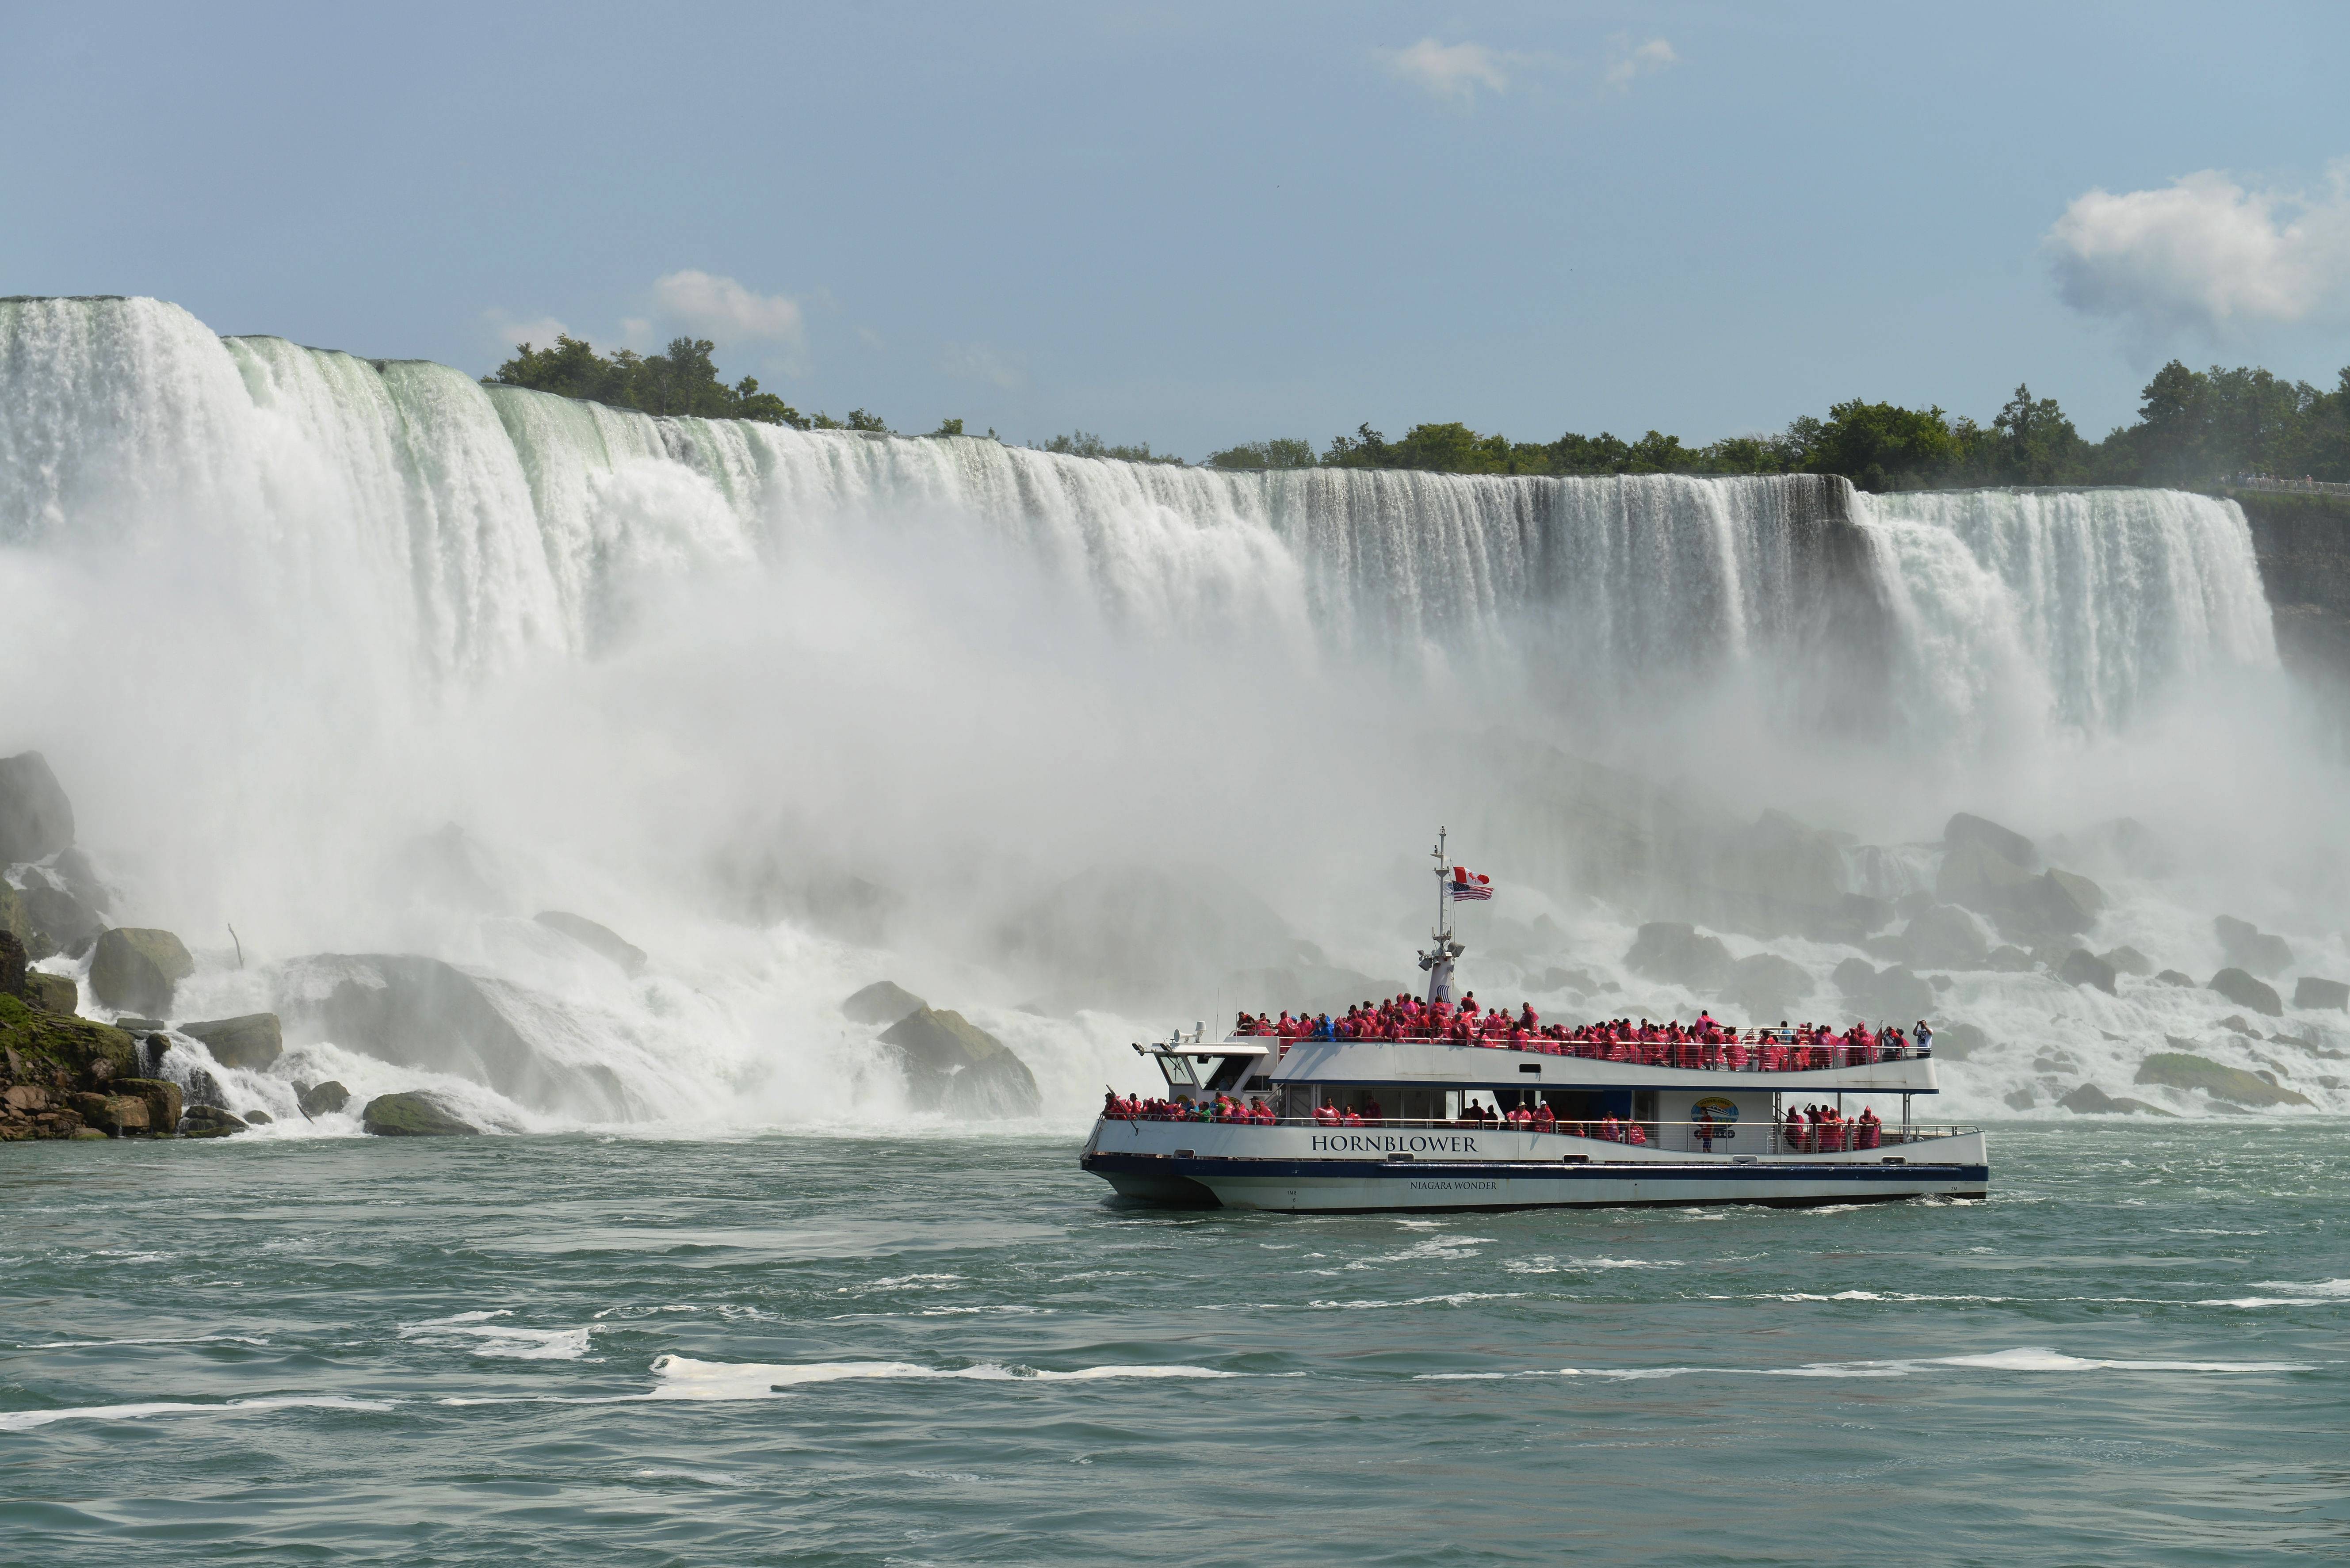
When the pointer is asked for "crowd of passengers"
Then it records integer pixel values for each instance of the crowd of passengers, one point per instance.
(1813, 1129)
(1707, 1043)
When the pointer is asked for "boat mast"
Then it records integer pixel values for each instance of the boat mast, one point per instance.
(1438, 959)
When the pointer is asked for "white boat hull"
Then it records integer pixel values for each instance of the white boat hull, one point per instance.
(1305, 1169)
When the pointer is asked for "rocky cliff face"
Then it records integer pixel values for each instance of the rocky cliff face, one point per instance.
(2302, 545)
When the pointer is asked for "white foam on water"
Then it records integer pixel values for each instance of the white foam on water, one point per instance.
(26, 1420)
(2025, 1359)
(684, 1378)
(165, 1339)
(478, 1334)
(1458, 1298)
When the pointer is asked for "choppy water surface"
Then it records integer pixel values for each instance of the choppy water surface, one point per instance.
(571, 1350)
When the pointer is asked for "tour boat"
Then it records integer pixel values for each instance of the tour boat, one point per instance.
(1335, 1123)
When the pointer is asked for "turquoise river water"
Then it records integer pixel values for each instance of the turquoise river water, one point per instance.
(583, 1351)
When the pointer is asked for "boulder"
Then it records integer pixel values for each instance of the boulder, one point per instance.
(210, 1121)
(322, 1099)
(1766, 987)
(2062, 902)
(411, 1115)
(422, 1014)
(2082, 967)
(2008, 959)
(40, 1044)
(136, 968)
(2174, 977)
(258, 1118)
(952, 1065)
(2129, 961)
(2313, 993)
(2245, 992)
(162, 1098)
(2088, 1100)
(1945, 937)
(2022, 1099)
(1677, 954)
(2184, 1070)
(883, 1001)
(116, 1116)
(253, 1041)
(1910, 906)
(1576, 980)
(1959, 1042)
(62, 920)
(12, 967)
(2247, 947)
(596, 938)
(36, 818)
(1894, 993)
(1963, 830)
(80, 878)
(1979, 878)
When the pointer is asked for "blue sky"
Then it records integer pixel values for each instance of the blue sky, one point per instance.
(1195, 224)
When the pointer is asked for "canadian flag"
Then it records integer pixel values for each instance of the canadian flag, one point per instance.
(1467, 884)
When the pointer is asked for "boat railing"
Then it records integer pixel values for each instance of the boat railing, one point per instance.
(1728, 1057)
(1758, 1138)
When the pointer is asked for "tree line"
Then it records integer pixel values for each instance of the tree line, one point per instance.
(2193, 427)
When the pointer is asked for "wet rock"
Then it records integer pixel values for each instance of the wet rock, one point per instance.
(952, 1065)
(2313, 992)
(12, 966)
(2008, 959)
(258, 1118)
(1677, 954)
(2129, 961)
(42, 1045)
(2245, 992)
(596, 938)
(422, 1014)
(883, 1001)
(2062, 901)
(1959, 1042)
(1945, 937)
(64, 919)
(1966, 831)
(2184, 1070)
(1556, 977)
(210, 1121)
(1886, 995)
(1910, 906)
(2174, 977)
(116, 1116)
(322, 1099)
(136, 968)
(1980, 878)
(412, 1116)
(2088, 1100)
(2019, 1099)
(253, 1041)
(36, 818)
(74, 868)
(24, 1099)
(2082, 967)
(161, 1097)
(1765, 986)
(2247, 947)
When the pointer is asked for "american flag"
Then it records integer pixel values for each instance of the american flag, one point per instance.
(1467, 884)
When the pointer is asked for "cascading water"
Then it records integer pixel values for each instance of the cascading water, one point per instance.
(364, 657)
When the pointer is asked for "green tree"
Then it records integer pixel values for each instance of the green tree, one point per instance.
(1279, 451)
(1884, 446)
(682, 381)
(2034, 444)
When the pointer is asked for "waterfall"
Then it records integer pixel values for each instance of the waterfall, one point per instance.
(215, 543)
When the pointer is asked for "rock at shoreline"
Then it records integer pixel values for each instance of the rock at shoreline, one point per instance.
(1766, 987)
(2184, 1070)
(210, 1121)
(41, 1044)
(162, 1096)
(2313, 992)
(116, 1116)
(2129, 961)
(434, 1017)
(2082, 967)
(36, 820)
(2088, 1100)
(253, 1041)
(1959, 1042)
(411, 1115)
(883, 1001)
(136, 969)
(321, 1100)
(2245, 992)
(2247, 947)
(2174, 977)
(952, 1065)
(600, 940)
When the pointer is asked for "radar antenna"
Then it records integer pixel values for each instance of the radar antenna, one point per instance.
(1438, 961)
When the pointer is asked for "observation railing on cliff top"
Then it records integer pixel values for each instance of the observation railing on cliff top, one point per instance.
(2265, 482)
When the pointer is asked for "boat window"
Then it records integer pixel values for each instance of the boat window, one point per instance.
(1179, 1072)
(1230, 1070)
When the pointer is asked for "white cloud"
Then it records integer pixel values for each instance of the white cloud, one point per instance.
(725, 309)
(1631, 61)
(1454, 71)
(2206, 254)
(506, 331)
(979, 362)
